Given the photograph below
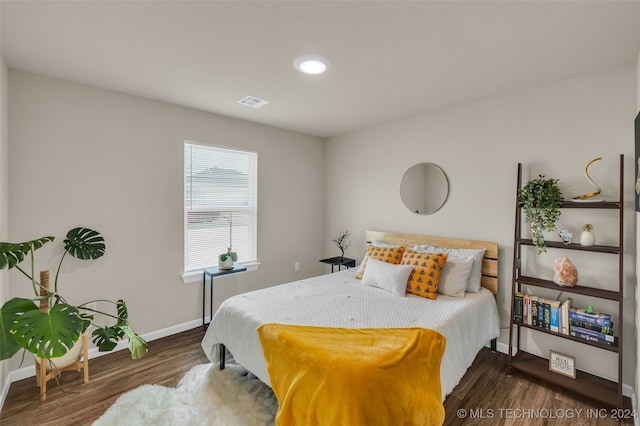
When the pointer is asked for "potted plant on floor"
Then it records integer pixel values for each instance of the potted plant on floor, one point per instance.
(541, 199)
(53, 333)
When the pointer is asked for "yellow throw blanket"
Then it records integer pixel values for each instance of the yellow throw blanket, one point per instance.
(349, 377)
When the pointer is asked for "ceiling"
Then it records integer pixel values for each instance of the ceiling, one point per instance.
(390, 59)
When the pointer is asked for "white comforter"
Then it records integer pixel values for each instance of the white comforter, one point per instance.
(339, 300)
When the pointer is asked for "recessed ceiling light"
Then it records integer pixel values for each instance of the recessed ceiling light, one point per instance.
(312, 64)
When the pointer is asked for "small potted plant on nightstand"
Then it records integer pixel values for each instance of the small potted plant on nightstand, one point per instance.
(225, 261)
(342, 241)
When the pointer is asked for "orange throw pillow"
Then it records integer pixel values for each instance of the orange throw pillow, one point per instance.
(425, 277)
(384, 254)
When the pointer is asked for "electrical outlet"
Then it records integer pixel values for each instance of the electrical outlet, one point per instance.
(296, 266)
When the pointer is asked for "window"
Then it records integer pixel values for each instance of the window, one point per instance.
(220, 204)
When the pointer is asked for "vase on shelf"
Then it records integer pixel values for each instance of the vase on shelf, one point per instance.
(225, 261)
(587, 238)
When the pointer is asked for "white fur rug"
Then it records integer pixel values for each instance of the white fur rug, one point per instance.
(204, 396)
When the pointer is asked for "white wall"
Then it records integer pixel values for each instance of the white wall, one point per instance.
(82, 156)
(554, 130)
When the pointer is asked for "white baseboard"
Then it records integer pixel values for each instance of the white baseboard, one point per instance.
(30, 371)
(627, 390)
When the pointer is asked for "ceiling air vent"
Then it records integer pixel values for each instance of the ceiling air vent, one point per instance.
(253, 102)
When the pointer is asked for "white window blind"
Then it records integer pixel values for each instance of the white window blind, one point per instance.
(220, 204)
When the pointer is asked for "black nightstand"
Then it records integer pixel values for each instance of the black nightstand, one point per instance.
(339, 262)
(211, 273)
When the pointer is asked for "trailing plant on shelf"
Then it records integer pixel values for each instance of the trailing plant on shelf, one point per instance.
(52, 333)
(541, 199)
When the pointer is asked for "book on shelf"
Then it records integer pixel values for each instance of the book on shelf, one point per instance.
(554, 315)
(518, 299)
(541, 312)
(549, 314)
(546, 314)
(593, 336)
(598, 318)
(604, 329)
(591, 314)
(534, 311)
(566, 306)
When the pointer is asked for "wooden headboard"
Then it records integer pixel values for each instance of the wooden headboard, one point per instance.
(489, 263)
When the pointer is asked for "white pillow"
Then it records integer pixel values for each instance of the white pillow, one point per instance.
(377, 243)
(454, 275)
(474, 280)
(387, 276)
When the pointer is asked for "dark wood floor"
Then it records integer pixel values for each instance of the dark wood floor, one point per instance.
(485, 396)
(76, 403)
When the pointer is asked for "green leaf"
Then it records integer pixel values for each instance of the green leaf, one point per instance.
(52, 334)
(11, 310)
(12, 254)
(106, 338)
(84, 243)
(137, 345)
(123, 313)
(86, 320)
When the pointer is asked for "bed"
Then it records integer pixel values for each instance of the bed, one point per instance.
(340, 300)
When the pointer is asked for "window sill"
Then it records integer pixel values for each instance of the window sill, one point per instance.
(196, 276)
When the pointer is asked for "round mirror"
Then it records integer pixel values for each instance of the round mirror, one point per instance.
(424, 188)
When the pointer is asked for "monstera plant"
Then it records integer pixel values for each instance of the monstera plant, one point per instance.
(51, 334)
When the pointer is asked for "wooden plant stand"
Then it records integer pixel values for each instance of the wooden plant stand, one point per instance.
(46, 369)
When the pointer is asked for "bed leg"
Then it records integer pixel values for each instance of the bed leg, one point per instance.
(222, 356)
(493, 344)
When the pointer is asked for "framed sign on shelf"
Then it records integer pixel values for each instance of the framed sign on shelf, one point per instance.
(562, 364)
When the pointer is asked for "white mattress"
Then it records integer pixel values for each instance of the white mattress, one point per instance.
(339, 300)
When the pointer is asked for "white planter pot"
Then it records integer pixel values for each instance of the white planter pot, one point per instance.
(65, 360)
(227, 264)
